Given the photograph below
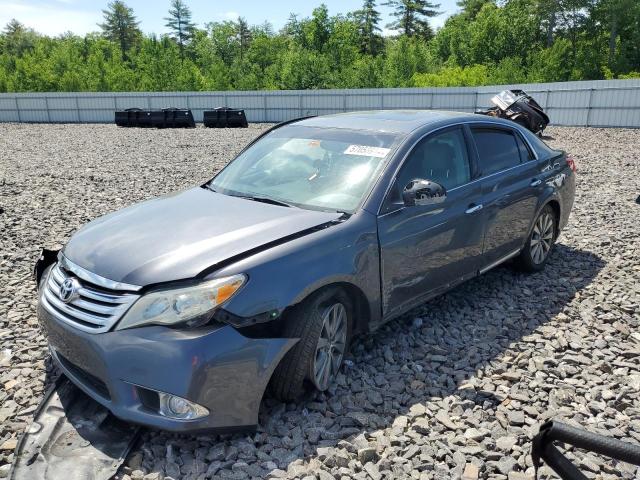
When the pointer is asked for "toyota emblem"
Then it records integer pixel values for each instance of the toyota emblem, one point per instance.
(69, 290)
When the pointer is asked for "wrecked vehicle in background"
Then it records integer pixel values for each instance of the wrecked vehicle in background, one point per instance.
(178, 312)
(518, 106)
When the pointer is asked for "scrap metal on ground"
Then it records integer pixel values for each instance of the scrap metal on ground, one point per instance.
(520, 107)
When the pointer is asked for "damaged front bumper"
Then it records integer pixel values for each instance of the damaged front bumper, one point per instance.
(72, 437)
(214, 366)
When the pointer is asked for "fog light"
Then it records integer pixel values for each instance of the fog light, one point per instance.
(172, 406)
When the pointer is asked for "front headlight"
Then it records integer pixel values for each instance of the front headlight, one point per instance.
(181, 305)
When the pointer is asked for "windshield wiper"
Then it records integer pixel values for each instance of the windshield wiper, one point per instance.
(270, 200)
(344, 215)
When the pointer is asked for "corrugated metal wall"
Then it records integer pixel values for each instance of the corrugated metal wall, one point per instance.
(601, 103)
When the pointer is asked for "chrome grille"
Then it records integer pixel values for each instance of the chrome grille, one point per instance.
(94, 308)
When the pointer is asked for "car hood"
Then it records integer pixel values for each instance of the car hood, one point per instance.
(178, 236)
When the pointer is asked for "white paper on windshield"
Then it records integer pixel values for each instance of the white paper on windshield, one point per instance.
(366, 151)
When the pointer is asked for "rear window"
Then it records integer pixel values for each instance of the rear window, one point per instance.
(497, 150)
(525, 153)
(542, 149)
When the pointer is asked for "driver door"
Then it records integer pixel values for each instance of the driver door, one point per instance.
(426, 249)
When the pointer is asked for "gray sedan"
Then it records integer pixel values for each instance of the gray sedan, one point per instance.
(180, 312)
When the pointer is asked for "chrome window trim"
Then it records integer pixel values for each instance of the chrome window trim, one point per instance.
(95, 278)
(460, 124)
(489, 176)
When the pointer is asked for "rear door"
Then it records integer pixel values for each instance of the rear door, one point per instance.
(425, 249)
(510, 189)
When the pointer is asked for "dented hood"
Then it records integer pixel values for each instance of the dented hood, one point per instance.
(178, 236)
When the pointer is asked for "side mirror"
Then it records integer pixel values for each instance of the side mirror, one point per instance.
(423, 192)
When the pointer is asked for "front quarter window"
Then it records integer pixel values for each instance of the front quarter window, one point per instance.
(308, 167)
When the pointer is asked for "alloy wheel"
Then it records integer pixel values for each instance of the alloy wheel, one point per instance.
(331, 345)
(542, 238)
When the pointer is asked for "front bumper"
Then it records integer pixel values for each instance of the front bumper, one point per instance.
(215, 367)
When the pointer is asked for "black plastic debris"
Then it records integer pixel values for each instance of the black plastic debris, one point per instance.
(543, 448)
(73, 438)
(165, 118)
(46, 258)
(520, 107)
(638, 200)
(225, 117)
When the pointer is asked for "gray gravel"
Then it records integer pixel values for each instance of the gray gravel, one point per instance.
(456, 387)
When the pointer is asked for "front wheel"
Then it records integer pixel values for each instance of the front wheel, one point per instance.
(323, 324)
(537, 249)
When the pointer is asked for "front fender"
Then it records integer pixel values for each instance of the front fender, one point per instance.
(286, 274)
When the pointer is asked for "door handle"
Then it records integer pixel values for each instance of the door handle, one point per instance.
(473, 209)
(536, 182)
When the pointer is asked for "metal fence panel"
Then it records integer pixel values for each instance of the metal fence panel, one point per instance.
(569, 116)
(127, 101)
(615, 118)
(94, 116)
(364, 102)
(68, 116)
(595, 103)
(167, 102)
(9, 116)
(34, 116)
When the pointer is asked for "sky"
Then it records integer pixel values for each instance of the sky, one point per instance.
(53, 17)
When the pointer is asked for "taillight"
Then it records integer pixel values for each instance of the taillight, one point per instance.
(572, 163)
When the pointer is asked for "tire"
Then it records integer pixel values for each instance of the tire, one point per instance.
(539, 245)
(308, 321)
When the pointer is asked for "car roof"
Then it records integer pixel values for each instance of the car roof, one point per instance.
(394, 121)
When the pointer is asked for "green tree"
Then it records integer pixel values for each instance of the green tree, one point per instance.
(368, 21)
(550, 64)
(303, 69)
(224, 40)
(621, 18)
(404, 57)
(454, 77)
(17, 39)
(180, 24)
(487, 42)
(470, 8)
(341, 47)
(293, 29)
(571, 21)
(244, 35)
(120, 26)
(547, 12)
(412, 17)
(317, 30)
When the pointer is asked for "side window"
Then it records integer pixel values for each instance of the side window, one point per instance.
(441, 157)
(497, 149)
(525, 153)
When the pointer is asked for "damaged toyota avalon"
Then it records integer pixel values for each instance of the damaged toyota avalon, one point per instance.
(180, 312)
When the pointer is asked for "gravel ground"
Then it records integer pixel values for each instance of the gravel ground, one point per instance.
(458, 385)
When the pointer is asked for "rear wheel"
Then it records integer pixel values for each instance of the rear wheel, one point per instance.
(323, 324)
(537, 249)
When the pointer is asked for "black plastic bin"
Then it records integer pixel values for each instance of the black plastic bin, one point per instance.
(225, 117)
(165, 118)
